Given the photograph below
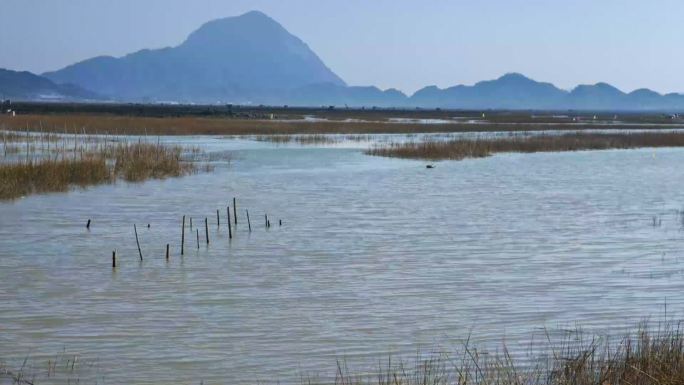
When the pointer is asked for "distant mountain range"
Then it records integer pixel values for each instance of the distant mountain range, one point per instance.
(251, 59)
(28, 86)
(515, 91)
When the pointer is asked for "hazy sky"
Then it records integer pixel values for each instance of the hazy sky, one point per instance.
(389, 43)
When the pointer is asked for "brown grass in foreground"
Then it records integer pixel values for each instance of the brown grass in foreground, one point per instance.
(644, 358)
(133, 125)
(641, 358)
(458, 149)
(104, 164)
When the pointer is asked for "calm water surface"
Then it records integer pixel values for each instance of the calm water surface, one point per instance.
(375, 256)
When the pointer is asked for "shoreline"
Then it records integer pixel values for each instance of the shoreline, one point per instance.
(190, 125)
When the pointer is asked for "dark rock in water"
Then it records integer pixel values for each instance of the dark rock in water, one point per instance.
(430, 166)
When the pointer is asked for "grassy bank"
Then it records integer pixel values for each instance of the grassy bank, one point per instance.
(643, 358)
(62, 168)
(478, 148)
(640, 358)
(137, 125)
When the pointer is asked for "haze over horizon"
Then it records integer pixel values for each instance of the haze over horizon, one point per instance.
(390, 44)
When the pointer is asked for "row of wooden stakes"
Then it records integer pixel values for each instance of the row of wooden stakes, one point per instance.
(267, 224)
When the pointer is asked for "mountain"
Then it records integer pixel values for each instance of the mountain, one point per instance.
(601, 96)
(253, 59)
(511, 91)
(27, 86)
(244, 58)
(333, 94)
(515, 91)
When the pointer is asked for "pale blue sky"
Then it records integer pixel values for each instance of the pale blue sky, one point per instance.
(400, 43)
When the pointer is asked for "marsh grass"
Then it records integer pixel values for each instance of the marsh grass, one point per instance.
(141, 161)
(20, 179)
(60, 369)
(640, 358)
(88, 163)
(457, 149)
(312, 139)
(192, 125)
(15, 136)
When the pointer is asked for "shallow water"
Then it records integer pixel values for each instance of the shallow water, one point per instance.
(375, 256)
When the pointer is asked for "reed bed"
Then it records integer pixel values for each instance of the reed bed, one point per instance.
(64, 167)
(312, 139)
(20, 179)
(190, 125)
(140, 161)
(643, 357)
(15, 136)
(458, 149)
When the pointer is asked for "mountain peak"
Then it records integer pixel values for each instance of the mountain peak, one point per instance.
(255, 15)
(253, 24)
(514, 76)
(600, 87)
(233, 58)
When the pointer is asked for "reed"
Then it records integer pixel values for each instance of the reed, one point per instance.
(17, 136)
(300, 139)
(458, 149)
(33, 177)
(190, 125)
(141, 161)
(83, 166)
(641, 358)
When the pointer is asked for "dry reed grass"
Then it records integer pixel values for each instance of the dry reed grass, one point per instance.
(64, 167)
(458, 149)
(20, 179)
(141, 161)
(310, 139)
(641, 358)
(135, 125)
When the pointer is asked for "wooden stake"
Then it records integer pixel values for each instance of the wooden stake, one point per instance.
(218, 220)
(167, 251)
(280, 222)
(230, 230)
(190, 223)
(206, 228)
(235, 211)
(183, 236)
(266, 220)
(114, 259)
(88, 225)
(137, 241)
(249, 224)
(197, 230)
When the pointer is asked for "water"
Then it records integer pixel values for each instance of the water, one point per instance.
(375, 256)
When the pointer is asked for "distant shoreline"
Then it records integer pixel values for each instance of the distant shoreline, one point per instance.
(218, 120)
